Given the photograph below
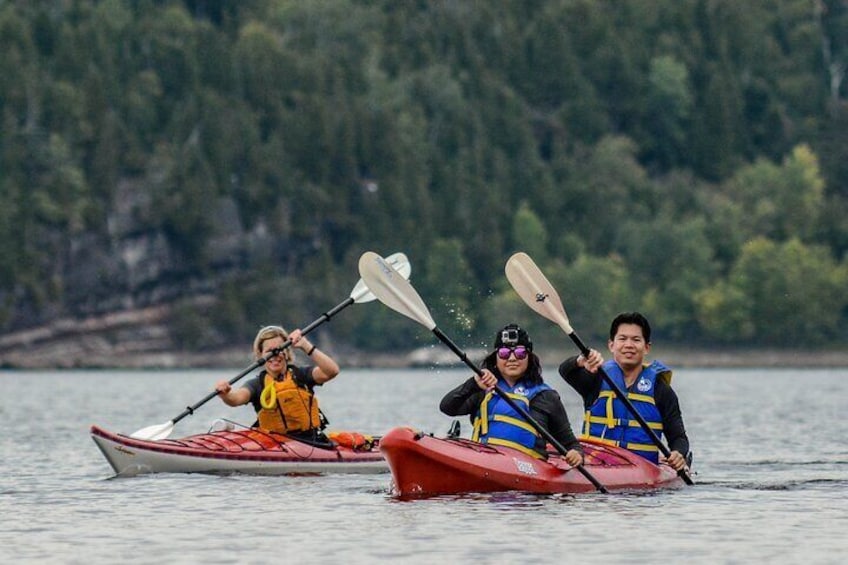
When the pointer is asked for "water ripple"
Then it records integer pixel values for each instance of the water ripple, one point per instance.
(780, 502)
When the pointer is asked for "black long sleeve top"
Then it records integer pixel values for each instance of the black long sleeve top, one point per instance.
(588, 385)
(546, 408)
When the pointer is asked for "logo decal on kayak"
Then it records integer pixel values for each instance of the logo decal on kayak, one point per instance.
(540, 297)
(525, 467)
(644, 385)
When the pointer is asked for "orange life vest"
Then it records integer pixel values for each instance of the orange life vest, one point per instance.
(287, 406)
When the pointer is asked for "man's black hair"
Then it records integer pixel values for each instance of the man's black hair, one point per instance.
(631, 318)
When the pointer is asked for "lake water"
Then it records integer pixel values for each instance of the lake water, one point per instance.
(771, 461)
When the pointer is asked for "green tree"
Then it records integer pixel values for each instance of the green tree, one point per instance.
(780, 293)
(184, 201)
(449, 283)
(780, 202)
(605, 185)
(671, 260)
(593, 289)
(724, 314)
(670, 103)
(717, 145)
(529, 233)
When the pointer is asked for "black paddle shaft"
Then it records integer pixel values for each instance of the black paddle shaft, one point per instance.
(623, 397)
(515, 406)
(325, 317)
(190, 409)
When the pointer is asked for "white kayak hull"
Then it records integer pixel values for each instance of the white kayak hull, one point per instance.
(247, 451)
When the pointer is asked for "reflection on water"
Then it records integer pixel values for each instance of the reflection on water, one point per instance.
(764, 491)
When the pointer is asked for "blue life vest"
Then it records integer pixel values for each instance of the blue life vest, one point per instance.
(609, 421)
(497, 423)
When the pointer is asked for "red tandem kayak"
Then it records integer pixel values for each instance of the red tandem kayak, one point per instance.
(423, 465)
(244, 450)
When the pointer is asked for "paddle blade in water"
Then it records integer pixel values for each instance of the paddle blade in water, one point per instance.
(155, 432)
(393, 290)
(535, 289)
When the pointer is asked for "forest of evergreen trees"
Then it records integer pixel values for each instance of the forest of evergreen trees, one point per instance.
(686, 158)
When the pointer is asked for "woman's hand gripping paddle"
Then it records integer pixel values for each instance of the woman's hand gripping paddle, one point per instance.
(540, 295)
(359, 295)
(397, 293)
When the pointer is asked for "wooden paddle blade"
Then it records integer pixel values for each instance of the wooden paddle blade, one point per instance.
(393, 290)
(535, 289)
(361, 293)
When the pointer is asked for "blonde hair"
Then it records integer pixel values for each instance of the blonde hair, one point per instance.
(270, 332)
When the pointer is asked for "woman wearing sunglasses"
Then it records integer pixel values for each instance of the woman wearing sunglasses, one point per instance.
(517, 371)
(283, 394)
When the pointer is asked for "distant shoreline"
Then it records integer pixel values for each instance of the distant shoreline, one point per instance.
(140, 339)
(238, 358)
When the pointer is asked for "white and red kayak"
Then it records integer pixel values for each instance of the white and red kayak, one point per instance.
(423, 465)
(245, 450)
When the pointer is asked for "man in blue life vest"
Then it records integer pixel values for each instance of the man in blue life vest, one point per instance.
(647, 386)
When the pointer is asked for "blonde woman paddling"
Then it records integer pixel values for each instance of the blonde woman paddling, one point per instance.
(283, 394)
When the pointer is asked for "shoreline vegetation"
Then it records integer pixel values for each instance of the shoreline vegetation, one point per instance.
(425, 357)
(141, 340)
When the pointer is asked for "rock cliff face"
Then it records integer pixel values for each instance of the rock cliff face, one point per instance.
(135, 338)
(114, 293)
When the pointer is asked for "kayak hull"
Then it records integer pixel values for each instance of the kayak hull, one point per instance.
(423, 465)
(246, 451)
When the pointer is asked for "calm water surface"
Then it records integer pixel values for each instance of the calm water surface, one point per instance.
(770, 453)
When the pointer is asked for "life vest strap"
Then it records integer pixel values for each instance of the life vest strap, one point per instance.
(602, 440)
(642, 447)
(519, 398)
(515, 422)
(641, 398)
(652, 425)
(630, 446)
(615, 422)
(475, 432)
(513, 445)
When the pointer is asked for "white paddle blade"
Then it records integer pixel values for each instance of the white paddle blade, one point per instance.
(156, 432)
(393, 290)
(535, 289)
(362, 294)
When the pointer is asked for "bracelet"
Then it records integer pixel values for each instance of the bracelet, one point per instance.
(311, 351)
